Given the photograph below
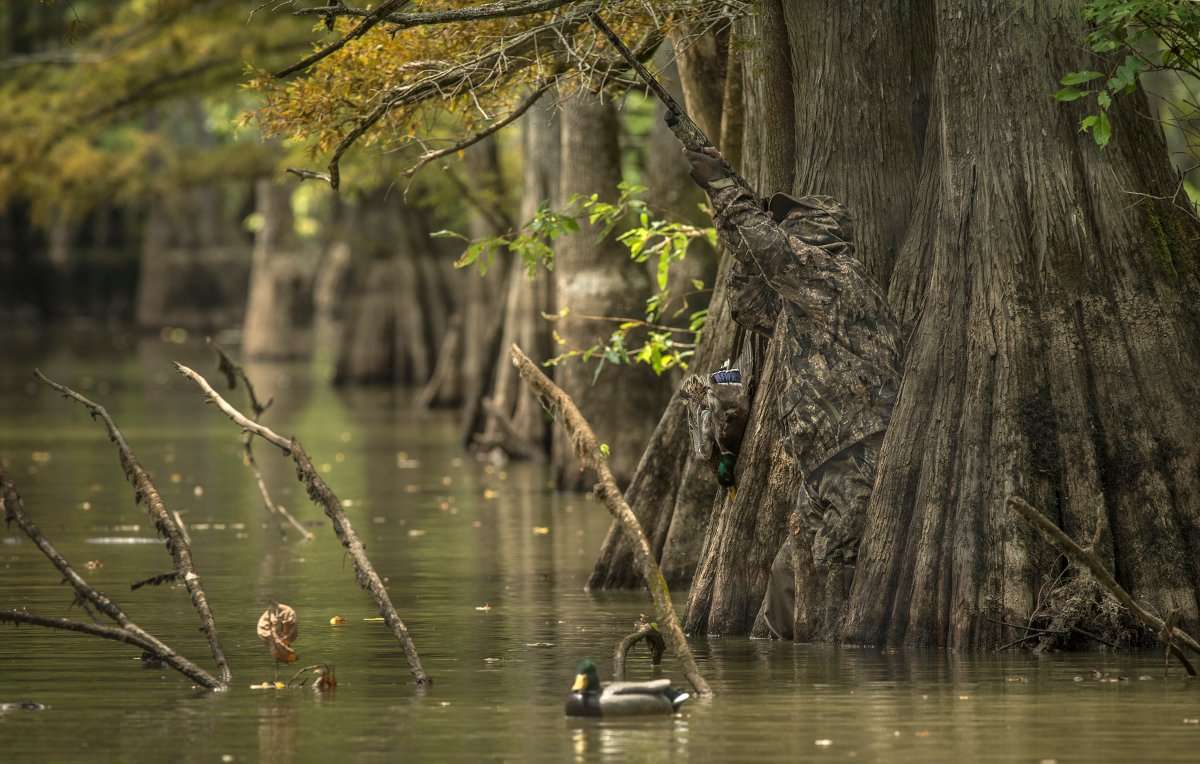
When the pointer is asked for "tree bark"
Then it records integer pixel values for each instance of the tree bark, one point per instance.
(672, 493)
(1055, 353)
(858, 120)
(599, 278)
(516, 422)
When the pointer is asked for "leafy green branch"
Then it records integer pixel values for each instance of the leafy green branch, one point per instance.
(1153, 35)
(644, 340)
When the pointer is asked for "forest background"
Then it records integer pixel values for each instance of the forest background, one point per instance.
(1020, 175)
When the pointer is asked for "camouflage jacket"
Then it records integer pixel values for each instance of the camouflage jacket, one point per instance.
(843, 343)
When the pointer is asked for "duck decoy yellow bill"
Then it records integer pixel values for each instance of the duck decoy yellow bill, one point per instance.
(580, 683)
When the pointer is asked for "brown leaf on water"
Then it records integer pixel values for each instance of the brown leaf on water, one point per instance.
(278, 629)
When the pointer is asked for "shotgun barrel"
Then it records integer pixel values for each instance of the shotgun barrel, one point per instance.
(687, 131)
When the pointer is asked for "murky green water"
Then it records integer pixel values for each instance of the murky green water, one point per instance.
(452, 536)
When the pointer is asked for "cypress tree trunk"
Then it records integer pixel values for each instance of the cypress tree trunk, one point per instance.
(463, 372)
(858, 120)
(599, 279)
(516, 421)
(483, 295)
(387, 337)
(1055, 351)
(279, 310)
(672, 493)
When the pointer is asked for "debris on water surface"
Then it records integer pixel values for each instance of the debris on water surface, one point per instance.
(540, 530)
(278, 629)
(269, 686)
(414, 533)
(823, 742)
(337, 620)
(483, 608)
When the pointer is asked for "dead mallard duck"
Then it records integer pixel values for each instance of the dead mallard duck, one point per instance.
(589, 698)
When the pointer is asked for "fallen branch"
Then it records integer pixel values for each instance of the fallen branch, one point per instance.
(144, 492)
(321, 495)
(1087, 559)
(126, 630)
(645, 631)
(233, 372)
(587, 450)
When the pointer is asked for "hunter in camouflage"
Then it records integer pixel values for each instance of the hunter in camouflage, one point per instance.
(796, 256)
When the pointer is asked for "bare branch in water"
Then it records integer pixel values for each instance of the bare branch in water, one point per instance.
(233, 372)
(1087, 559)
(126, 630)
(324, 497)
(654, 642)
(587, 450)
(144, 492)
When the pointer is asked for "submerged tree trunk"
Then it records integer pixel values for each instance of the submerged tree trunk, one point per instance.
(483, 293)
(1055, 354)
(467, 355)
(516, 422)
(865, 154)
(387, 336)
(598, 278)
(279, 310)
(671, 492)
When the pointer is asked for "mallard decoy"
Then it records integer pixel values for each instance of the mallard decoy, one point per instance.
(589, 698)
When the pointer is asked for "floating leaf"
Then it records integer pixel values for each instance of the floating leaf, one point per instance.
(337, 620)
(278, 629)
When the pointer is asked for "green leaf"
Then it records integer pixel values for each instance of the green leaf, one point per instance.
(445, 234)
(1104, 99)
(1070, 94)
(604, 450)
(1078, 78)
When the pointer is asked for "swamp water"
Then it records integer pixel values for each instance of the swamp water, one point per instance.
(487, 568)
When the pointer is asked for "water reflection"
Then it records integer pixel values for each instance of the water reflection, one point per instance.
(495, 606)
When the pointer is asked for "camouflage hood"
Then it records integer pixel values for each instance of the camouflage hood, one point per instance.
(820, 221)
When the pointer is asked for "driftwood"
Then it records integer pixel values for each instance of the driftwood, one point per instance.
(1087, 559)
(233, 372)
(587, 451)
(645, 631)
(90, 599)
(321, 495)
(144, 492)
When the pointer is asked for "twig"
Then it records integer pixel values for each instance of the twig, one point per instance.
(587, 451)
(371, 19)
(1087, 559)
(448, 16)
(515, 114)
(233, 372)
(144, 492)
(126, 631)
(645, 631)
(321, 495)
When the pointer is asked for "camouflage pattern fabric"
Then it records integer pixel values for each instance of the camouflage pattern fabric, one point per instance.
(843, 343)
(830, 514)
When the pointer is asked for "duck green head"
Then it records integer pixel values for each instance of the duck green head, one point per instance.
(587, 680)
